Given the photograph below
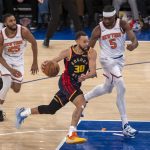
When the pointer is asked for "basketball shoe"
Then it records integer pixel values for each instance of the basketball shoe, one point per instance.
(75, 139)
(2, 116)
(19, 118)
(129, 131)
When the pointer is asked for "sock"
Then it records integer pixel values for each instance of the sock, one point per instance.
(71, 130)
(26, 112)
(124, 120)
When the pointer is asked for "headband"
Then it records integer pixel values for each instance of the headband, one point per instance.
(109, 14)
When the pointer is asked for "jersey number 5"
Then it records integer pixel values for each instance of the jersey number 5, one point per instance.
(113, 43)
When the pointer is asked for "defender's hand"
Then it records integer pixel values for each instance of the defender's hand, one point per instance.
(34, 68)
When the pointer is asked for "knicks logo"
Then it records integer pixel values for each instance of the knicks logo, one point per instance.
(14, 49)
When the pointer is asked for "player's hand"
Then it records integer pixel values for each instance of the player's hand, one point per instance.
(34, 68)
(41, 1)
(16, 73)
(82, 78)
(44, 64)
(130, 47)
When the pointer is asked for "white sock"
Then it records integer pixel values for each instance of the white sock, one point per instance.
(124, 120)
(26, 112)
(71, 129)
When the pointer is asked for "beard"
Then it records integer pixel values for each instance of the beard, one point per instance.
(12, 28)
(84, 49)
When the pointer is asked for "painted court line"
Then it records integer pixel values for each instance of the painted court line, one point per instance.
(42, 131)
(132, 64)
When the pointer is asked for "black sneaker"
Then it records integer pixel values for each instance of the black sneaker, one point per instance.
(2, 116)
(46, 43)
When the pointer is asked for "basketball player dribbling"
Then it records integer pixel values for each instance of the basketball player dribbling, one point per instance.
(111, 33)
(13, 40)
(80, 64)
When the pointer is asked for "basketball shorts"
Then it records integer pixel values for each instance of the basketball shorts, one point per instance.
(112, 66)
(67, 91)
(5, 72)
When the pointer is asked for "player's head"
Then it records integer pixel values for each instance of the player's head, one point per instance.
(109, 16)
(9, 21)
(82, 40)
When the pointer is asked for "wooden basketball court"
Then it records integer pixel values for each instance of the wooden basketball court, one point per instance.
(45, 132)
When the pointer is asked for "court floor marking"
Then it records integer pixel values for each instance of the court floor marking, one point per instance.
(131, 64)
(42, 131)
(115, 133)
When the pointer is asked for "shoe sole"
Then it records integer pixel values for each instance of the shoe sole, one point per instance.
(73, 142)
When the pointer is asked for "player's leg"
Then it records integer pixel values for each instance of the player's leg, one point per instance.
(57, 103)
(16, 82)
(100, 90)
(5, 86)
(79, 101)
(120, 88)
(107, 86)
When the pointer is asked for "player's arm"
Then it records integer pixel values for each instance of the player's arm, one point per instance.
(92, 55)
(125, 26)
(14, 72)
(63, 54)
(30, 38)
(96, 33)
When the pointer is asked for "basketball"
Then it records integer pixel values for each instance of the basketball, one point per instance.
(50, 68)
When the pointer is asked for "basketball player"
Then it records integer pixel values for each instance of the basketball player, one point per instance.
(12, 45)
(80, 64)
(111, 33)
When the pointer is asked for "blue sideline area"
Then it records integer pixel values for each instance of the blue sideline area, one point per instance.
(112, 138)
(68, 34)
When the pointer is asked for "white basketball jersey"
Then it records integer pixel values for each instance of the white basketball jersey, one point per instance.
(14, 47)
(112, 41)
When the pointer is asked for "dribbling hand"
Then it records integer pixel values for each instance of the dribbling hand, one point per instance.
(16, 73)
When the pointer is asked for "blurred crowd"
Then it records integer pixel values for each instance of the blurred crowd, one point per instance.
(75, 14)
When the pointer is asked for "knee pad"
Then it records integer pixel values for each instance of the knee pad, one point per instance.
(49, 109)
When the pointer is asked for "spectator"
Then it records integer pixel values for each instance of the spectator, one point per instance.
(1, 14)
(55, 9)
(142, 6)
(133, 5)
(43, 13)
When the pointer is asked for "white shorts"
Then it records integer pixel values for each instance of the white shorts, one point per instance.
(111, 66)
(5, 72)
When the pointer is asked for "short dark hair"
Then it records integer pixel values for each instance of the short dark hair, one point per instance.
(108, 8)
(5, 16)
(79, 34)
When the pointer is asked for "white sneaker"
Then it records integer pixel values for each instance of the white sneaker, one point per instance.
(129, 131)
